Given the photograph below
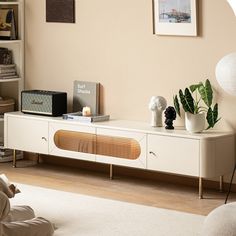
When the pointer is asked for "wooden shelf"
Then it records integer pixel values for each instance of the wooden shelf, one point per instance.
(9, 80)
(10, 3)
(10, 41)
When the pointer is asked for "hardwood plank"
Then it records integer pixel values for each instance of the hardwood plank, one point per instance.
(146, 191)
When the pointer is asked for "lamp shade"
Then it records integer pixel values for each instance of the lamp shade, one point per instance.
(226, 73)
(232, 3)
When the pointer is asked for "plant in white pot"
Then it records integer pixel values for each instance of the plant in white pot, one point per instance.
(197, 106)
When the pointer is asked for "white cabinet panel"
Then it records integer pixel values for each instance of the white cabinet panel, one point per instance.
(173, 155)
(68, 133)
(130, 141)
(27, 134)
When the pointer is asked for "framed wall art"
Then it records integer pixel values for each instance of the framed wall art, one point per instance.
(175, 17)
(62, 11)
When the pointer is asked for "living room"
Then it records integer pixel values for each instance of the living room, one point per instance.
(122, 46)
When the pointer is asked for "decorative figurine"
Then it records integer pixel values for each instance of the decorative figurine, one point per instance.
(157, 105)
(170, 115)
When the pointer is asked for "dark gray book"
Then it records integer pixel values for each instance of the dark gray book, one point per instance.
(86, 94)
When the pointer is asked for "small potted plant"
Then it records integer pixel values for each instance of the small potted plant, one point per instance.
(196, 102)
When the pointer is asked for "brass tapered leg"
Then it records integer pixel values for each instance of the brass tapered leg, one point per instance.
(14, 159)
(111, 171)
(221, 183)
(200, 192)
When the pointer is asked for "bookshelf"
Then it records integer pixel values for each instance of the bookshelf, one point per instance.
(12, 87)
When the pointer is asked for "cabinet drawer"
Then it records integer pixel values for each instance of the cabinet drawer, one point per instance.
(121, 147)
(72, 140)
(27, 135)
(173, 155)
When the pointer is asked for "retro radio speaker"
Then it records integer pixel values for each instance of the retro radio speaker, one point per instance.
(43, 102)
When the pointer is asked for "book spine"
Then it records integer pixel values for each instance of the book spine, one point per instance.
(7, 74)
(7, 66)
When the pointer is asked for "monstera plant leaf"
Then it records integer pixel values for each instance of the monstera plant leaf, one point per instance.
(176, 104)
(187, 100)
(212, 116)
(206, 92)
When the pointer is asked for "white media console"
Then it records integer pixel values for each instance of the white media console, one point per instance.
(125, 143)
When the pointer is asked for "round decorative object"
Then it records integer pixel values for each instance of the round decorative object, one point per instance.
(221, 221)
(170, 115)
(194, 123)
(157, 105)
(232, 3)
(226, 73)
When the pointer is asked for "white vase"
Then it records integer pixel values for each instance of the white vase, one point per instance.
(194, 123)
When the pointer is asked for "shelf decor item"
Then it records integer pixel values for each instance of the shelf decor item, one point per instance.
(226, 77)
(86, 94)
(232, 3)
(157, 105)
(175, 17)
(170, 115)
(60, 11)
(196, 107)
(7, 24)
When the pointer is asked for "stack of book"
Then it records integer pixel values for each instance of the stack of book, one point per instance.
(8, 71)
(7, 154)
(7, 67)
(79, 117)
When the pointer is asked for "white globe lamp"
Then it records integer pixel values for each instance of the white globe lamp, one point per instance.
(232, 3)
(226, 77)
(226, 73)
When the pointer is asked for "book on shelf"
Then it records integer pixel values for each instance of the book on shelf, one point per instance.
(9, 77)
(86, 94)
(79, 117)
(6, 57)
(7, 24)
(8, 71)
(19, 156)
(7, 67)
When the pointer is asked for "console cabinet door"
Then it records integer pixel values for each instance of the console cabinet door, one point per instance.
(72, 140)
(121, 147)
(173, 155)
(29, 135)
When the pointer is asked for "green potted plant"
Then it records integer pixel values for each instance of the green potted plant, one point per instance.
(196, 102)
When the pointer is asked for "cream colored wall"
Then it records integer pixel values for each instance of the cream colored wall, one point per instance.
(112, 43)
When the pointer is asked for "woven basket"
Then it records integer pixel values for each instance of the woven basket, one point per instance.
(6, 105)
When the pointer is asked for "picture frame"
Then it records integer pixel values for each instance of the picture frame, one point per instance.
(7, 24)
(175, 17)
(60, 11)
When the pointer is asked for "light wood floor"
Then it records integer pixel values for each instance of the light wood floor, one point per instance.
(129, 189)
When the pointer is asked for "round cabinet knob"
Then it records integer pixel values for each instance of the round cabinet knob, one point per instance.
(43, 138)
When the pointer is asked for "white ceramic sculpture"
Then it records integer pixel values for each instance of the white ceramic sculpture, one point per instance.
(157, 105)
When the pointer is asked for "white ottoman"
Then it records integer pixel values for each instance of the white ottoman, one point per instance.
(221, 221)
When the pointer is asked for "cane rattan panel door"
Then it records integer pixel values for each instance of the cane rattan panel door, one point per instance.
(72, 140)
(121, 147)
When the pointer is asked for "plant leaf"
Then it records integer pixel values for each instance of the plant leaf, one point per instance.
(194, 87)
(212, 116)
(176, 104)
(206, 93)
(187, 100)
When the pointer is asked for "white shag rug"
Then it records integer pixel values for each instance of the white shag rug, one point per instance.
(76, 214)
